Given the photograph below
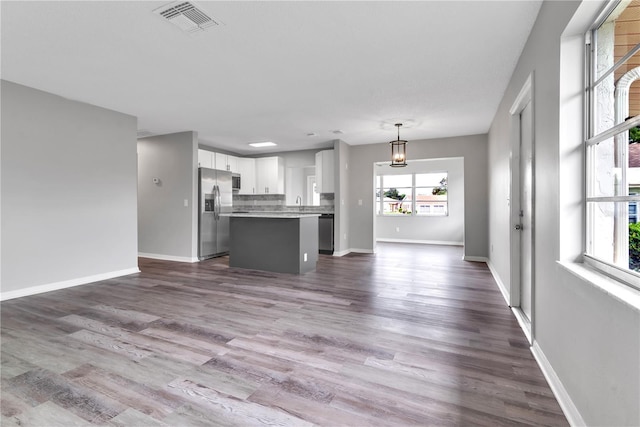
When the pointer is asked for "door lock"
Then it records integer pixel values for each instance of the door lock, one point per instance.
(518, 227)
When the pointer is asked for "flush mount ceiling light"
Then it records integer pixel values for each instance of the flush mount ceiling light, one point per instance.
(263, 144)
(398, 150)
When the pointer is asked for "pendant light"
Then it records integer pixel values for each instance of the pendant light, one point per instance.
(398, 151)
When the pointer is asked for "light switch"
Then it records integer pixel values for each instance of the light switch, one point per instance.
(186, 203)
(305, 257)
(359, 202)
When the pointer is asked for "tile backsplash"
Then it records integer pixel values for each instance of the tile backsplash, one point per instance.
(276, 203)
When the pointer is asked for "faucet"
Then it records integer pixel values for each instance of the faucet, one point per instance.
(299, 202)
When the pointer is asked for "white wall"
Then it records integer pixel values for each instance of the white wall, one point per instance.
(68, 192)
(590, 340)
(168, 228)
(473, 149)
(447, 229)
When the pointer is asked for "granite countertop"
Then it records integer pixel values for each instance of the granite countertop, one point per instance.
(271, 215)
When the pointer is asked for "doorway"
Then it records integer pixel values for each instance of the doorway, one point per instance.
(522, 289)
(526, 185)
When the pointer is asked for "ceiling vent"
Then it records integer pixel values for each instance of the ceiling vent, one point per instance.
(186, 16)
(143, 133)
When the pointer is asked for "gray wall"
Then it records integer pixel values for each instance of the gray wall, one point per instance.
(68, 191)
(168, 228)
(427, 229)
(590, 339)
(361, 187)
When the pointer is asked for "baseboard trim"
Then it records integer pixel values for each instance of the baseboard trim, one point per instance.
(354, 250)
(421, 242)
(167, 257)
(524, 322)
(475, 258)
(361, 251)
(503, 289)
(33, 290)
(341, 253)
(562, 396)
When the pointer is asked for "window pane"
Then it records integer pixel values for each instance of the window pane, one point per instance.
(604, 106)
(431, 208)
(617, 36)
(607, 174)
(630, 63)
(396, 208)
(428, 203)
(396, 181)
(431, 179)
(623, 250)
(601, 240)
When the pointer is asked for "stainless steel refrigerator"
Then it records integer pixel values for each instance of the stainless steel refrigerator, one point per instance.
(215, 200)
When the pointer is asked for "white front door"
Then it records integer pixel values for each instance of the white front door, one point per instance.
(526, 209)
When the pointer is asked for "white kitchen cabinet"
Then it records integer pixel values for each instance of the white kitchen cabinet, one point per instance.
(225, 162)
(269, 175)
(246, 167)
(206, 159)
(221, 162)
(325, 171)
(232, 164)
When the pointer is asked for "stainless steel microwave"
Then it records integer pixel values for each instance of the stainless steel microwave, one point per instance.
(235, 181)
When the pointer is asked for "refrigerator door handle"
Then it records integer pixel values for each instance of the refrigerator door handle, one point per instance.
(217, 203)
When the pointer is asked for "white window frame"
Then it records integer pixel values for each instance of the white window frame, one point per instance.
(620, 128)
(381, 188)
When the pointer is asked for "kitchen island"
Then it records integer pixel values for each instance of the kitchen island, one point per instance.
(278, 242)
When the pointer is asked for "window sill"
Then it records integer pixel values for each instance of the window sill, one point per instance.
(606, 284)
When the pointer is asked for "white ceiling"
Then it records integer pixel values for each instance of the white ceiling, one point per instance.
(275, 71)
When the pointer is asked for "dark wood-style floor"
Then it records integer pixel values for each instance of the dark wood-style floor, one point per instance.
(410, 336)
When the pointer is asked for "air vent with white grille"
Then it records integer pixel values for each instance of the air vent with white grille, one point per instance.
(186, 16)
(143, 133)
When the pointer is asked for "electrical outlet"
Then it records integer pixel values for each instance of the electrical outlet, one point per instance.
(359, 202)
(397, 229)
(186, 203)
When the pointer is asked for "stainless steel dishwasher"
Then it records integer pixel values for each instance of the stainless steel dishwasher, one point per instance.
(325, 234)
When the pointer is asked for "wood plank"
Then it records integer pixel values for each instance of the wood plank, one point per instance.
(412, 335)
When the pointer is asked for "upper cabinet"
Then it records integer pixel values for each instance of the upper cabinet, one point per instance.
(206, 159)
(269, 175)
(225, 162)
(324, 171)
(246, 167)
(264, 175)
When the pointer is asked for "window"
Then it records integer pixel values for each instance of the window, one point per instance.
(431, 194)
(421, 194)
(613, 159)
